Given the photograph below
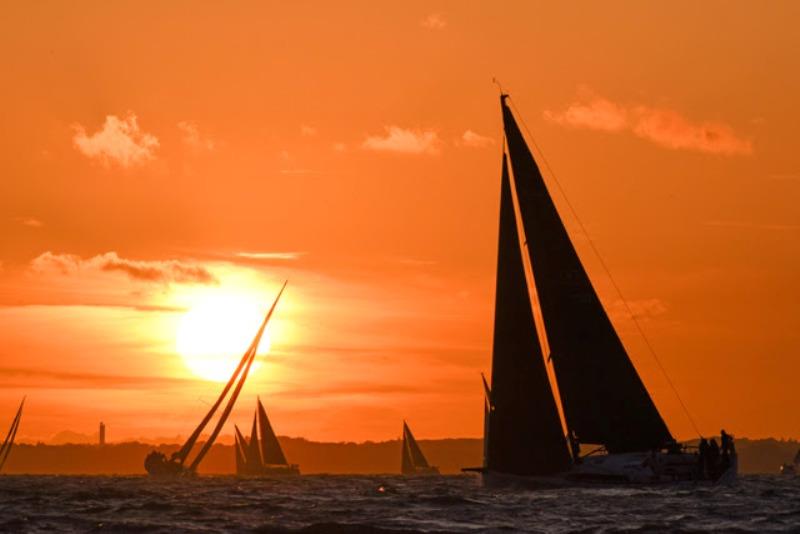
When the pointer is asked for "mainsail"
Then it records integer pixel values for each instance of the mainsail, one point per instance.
(5, 449)
(271, 450)
(412, 461)
(603, 397)
(525, 436)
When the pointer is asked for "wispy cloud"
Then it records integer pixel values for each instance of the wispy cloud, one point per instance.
(434, 21)
(31, 222)
(164, 271)
(120, 141)
(191, 136)
(664, 127)
(405, 141)
(307, 130)
(339, 147)
(474, 140)
(271, 255)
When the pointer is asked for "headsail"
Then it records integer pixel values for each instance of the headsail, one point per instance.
(253, 451)
(271, 450)
(241, 465)
(525, 433)
(8, 443)
(603, 397)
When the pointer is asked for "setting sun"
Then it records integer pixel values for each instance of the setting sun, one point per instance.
(215, 332)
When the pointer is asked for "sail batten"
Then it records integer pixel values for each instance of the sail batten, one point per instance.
(603, 397)
(524, 433)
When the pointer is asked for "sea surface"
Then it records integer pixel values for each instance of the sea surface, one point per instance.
(386, 504)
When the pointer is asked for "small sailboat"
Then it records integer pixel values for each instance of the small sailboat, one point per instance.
(261, 457)
(5, 449)
(791, 468)
(157, 464)
(412, 461)
(604, 402)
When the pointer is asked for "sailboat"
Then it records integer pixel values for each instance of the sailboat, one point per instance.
(262, 457)
(5, 448)
(157, 464)
(604, 402)
(791, 468)
(412, 461)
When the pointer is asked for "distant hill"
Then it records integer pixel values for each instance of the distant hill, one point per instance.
(755, 456)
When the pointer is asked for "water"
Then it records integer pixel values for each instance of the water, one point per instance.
(386, 504)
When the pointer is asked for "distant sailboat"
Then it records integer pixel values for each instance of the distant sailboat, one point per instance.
(5, 449)
(412, 461)
(157, 464)
(604, 401)
(791, 468)
(264, 456)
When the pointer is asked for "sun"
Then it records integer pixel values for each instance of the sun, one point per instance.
(216, 331)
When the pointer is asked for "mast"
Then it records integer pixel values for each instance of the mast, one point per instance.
(604, 399)
(525, 436)
(271, 449)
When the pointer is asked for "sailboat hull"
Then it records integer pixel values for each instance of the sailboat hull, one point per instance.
(639, 468)
(269, 471)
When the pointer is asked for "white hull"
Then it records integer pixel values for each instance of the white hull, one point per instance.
(636, 468)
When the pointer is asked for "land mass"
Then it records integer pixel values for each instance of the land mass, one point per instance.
(450, 455)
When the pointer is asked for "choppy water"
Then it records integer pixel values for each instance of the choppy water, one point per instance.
(386, 503)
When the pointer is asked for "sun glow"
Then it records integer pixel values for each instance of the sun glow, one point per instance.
(216, 331)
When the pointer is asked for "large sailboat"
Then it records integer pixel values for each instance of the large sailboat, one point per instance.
(157, 464)
(604, 401)
(261, 457)
(412, 461)
(5, 448)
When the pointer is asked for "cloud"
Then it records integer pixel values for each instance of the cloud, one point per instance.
(339, 147)
(119, 141)
(474, 140)
(669, 129)
(30, 221)
(434, 21)
(271, 255)
(597, 114)
(164, 271)
(192, 138)
(404, 141)
(663, 127)
(308, 130)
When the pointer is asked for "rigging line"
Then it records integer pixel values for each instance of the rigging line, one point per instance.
(608, 272)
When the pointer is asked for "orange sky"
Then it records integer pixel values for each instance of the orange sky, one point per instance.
(156, 157)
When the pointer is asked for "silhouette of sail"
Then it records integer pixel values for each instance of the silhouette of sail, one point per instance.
(184, 451)
(525, 436)
(603, 397)
(271, 450)
(253, 452)
(241, 465)
(414, 452)
(235, 395)
(8, 443)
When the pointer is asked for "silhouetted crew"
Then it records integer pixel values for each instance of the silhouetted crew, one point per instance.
(702, 457)
(726, 442)
(712, 459)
